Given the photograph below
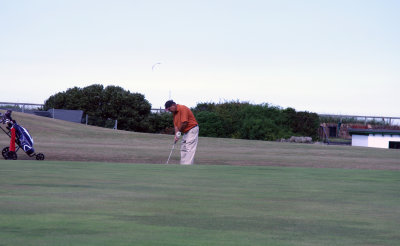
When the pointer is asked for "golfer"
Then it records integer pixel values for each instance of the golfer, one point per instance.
(184, 123)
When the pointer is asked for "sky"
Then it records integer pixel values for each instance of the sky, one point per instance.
(328, 57)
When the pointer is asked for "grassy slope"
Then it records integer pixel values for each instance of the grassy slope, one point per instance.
(61, 140)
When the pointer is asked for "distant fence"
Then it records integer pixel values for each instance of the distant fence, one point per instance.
(20, 107)
(389, 120)
(60, 114)
(37, 109)
(158, 110)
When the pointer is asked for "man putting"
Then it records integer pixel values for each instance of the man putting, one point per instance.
(184, 123)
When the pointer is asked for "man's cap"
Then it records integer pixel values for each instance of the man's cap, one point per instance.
(169, 104)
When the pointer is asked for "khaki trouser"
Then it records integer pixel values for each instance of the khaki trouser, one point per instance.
(189, 145)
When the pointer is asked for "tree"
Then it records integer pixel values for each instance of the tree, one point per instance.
(303, 123)
(258, 122)
(102, 104)
(211, 124)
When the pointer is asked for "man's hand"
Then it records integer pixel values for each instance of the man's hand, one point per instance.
(177, 135)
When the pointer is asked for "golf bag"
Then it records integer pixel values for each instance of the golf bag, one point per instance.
(18, 135)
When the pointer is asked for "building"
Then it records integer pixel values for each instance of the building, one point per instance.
(376, 138)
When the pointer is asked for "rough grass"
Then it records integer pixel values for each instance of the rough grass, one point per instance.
(80, 203)
(66, 141)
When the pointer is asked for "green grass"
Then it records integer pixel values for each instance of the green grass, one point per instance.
(240, 192)
(82, 203)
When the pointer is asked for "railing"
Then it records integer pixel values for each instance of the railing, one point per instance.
(389, 119)
(22, 106)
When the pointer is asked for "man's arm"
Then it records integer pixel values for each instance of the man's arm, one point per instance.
(183, 126)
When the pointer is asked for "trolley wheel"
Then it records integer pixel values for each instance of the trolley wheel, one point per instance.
(4, 152)
(12, 155)
(9, 155)
(40, 157)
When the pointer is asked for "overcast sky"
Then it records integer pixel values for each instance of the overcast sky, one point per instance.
(336, 57)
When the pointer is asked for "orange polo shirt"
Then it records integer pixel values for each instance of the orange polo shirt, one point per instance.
(183, 114)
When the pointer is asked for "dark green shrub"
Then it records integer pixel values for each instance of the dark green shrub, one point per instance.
(211, 124)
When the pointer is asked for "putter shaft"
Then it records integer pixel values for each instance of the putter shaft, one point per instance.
(173, 146)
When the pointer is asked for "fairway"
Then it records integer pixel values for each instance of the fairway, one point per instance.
(84, 203)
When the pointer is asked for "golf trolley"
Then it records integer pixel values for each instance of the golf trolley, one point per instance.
(19, 136)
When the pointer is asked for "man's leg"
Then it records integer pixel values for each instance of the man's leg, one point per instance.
(189, 145)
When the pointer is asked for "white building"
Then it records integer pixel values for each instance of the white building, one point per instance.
(387, 139)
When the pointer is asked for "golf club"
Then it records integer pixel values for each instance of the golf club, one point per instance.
(173, 146)
(178, 134)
